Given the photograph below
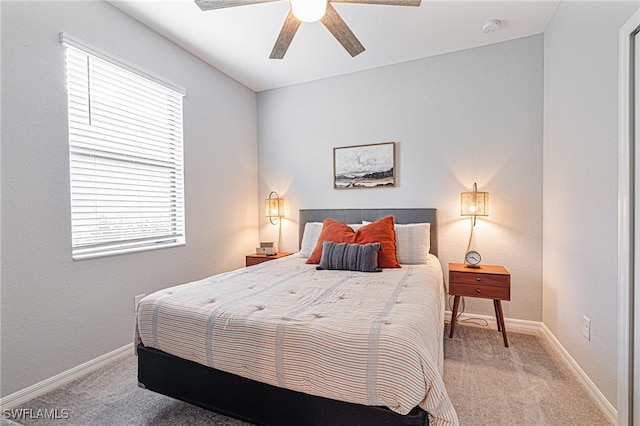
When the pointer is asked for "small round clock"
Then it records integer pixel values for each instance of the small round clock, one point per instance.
(472, 259)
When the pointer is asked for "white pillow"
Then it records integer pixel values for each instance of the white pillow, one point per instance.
(310, 236)
(413, 242)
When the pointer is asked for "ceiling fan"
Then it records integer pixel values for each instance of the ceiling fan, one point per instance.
(309, 11)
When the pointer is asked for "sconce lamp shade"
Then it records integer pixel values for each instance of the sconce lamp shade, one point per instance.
(274, 207)
(474, 203)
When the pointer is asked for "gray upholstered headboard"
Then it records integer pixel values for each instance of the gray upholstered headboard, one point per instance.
(358, 215)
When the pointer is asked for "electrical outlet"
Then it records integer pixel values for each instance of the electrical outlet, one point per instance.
(136, 301)
(586, 328)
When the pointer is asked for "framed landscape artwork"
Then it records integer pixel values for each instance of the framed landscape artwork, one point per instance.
(364, 166)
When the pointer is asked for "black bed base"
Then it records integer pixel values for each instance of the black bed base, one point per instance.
(255, 402)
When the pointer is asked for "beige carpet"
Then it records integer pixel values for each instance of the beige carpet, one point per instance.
(525, 384)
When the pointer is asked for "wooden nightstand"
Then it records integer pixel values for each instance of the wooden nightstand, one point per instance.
(487, 281)
(254, 259)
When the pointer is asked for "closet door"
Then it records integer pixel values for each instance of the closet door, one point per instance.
(628, 398)
(636, 314)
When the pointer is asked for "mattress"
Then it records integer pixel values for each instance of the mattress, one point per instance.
(367, 338)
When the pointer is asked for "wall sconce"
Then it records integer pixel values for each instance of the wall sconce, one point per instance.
(473, 204)
(274, 208)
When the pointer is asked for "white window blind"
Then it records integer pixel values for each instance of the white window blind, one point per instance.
(126, 159)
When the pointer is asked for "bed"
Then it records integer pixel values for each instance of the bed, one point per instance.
(257, 345)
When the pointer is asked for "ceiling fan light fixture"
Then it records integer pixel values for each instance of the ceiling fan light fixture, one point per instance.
(308, 10)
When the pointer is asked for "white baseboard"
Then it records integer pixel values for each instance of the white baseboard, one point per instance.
(15, 399)
(602, 401)
(512, 323)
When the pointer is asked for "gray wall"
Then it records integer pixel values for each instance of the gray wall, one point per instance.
(580, 183)
(57, 313)
(465, 117)
(474, 115)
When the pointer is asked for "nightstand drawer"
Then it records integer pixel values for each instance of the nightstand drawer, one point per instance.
(484, 291)
(250, 261)
(480, 279)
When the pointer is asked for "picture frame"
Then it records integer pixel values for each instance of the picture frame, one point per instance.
(364, 166)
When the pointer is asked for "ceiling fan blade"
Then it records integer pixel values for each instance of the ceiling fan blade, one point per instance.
(336, 26)
(384, 2)
(221, 4)
(289, 28)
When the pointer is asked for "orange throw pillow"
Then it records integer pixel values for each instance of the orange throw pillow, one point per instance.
(381, 231)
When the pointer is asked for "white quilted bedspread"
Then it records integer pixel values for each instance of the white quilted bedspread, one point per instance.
(367, 338)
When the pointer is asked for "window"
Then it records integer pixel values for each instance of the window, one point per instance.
(125, 151)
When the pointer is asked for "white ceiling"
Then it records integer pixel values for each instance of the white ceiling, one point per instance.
(238, 40)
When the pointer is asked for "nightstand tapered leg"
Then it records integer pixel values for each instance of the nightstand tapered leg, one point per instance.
(495, 308)
(454, 314)
(501, 321)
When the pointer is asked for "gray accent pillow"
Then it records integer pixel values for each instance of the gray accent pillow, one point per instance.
(350, 257)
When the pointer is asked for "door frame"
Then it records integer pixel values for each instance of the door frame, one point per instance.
(628, 411)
